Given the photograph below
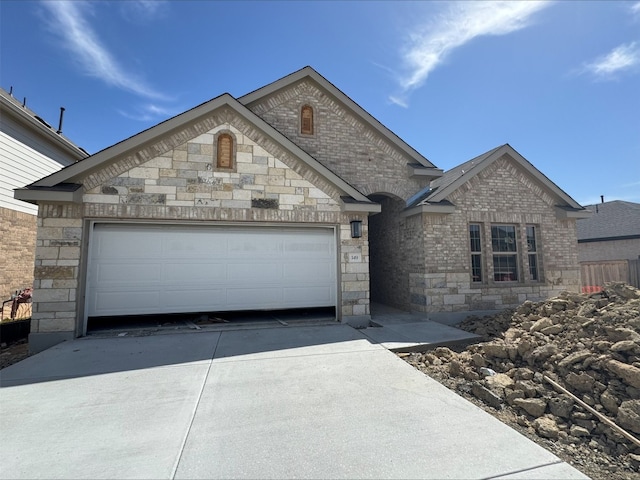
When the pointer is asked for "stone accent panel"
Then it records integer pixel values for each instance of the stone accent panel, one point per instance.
(17, 251)
(57, 269)
(341, 141)
(354, 268)
(500, 194)
(186, 177)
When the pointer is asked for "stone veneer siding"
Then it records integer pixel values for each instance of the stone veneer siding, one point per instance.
(57, 269)
(500, 194)
(182, 184)
(341, 141)
(17, 251)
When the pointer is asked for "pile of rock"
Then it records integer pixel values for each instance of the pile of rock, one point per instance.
(589, 344)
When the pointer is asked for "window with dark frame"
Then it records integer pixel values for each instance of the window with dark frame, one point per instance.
(476, 252)
(505, 257)
(225, 151)
(306, 120)
(532, 251)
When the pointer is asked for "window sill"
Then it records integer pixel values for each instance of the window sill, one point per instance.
(479, 285)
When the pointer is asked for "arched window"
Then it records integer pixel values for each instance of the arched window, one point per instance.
(306, 120)
(225, 151)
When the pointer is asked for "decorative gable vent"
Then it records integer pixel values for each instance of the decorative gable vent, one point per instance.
(306, 120)
(225, 154)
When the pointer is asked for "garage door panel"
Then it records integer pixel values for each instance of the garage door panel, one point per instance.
(194, 300)
(314, 295)
(295, 273)
(253, 298)
(194, 273)
(259, 272)
(113, 243)
(145, 269)
(252, 247)
(196, 243)
(121, 274)
(124, 302)
(317, 248)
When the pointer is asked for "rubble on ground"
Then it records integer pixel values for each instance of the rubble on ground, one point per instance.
(588, 344)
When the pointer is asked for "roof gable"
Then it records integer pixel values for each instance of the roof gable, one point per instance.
(152, 140)
(339, 96)
(452, 179)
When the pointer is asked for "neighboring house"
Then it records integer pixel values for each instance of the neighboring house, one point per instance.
(292, 196)
(612, 232)
(29, 150)
(609, 244)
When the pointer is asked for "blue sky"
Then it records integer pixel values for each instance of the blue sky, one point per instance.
(559, 81)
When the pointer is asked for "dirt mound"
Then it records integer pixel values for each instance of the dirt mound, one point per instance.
(588, 344)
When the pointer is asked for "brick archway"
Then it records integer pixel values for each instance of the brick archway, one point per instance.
(389, 280)
(385, 188)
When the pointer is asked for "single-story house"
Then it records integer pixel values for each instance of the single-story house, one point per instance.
(29, 149)
(291, 196)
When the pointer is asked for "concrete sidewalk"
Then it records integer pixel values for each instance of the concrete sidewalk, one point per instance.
(288, 402)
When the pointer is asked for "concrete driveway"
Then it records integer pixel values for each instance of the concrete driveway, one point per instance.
(282, 402)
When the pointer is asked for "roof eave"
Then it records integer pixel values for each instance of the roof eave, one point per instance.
(46, 195)
(565, 213)
(416, 170)
(58, 139)
(350, 205)
(609, 239)
(430, 209)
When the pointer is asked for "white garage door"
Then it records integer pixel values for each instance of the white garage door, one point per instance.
(142, 269)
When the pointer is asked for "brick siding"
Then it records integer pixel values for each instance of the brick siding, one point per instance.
(341, 141)
(501, 194)
(397, 250)
(17, 251)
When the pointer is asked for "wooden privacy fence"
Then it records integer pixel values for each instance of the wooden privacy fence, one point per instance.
(594, 275)
(634, 273)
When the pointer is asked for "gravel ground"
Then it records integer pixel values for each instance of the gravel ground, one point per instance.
(587, 344)
(16, 352)
(589, 459)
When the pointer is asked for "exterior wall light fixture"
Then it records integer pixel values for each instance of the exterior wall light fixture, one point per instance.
(356, 228)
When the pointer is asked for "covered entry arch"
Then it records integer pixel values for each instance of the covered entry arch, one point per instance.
(394, 251)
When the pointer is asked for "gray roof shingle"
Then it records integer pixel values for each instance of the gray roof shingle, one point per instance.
(453, 174)
(609, 220)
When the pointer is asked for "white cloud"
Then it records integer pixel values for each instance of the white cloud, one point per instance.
(432, 43)
(631, 185)
(623, 57)
(69, 21)
(401, 101)
(635, 9)
(143, 10)
(149, 112)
